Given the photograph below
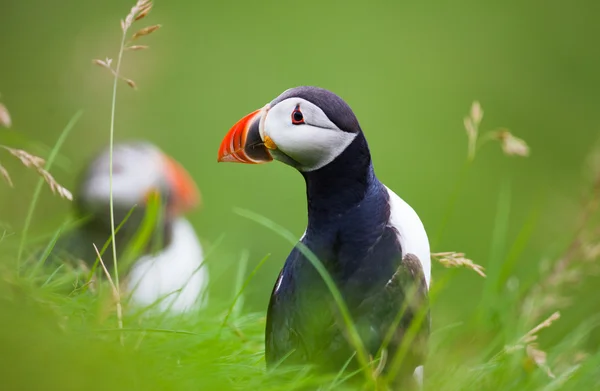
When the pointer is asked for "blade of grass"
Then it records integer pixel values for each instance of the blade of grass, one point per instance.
(338, 377)
(518, 246)
(116, 294)
(241, 291)
(239, 282)
(104, 247)
(51, 276)
(148, 330)
(353, 334)
(38, 188)
(499, 235)
(144, 233)
(46, 252)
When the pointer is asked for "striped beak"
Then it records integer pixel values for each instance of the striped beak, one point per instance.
(243, 142)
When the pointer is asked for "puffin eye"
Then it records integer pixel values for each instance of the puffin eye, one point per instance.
(297, 116)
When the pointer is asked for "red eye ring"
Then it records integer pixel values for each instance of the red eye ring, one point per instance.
(297, 116)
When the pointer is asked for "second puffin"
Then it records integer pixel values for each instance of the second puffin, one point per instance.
(371, 242)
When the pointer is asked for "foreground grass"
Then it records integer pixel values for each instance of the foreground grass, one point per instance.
(57, 337)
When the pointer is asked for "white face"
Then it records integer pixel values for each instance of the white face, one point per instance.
(137, 169)
(302, 131)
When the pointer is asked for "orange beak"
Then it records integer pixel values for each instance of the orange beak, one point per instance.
(186, 195)
(243, 144)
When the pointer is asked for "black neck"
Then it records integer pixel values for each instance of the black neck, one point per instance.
(340, 185)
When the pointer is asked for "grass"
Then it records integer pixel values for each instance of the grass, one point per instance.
(38, 188)
(55, 341)
(511, 341)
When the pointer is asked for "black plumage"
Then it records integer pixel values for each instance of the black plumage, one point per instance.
(349, 230)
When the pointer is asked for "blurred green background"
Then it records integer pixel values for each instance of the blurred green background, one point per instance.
(410, 71)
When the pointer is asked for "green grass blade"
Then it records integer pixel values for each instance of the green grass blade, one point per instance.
(239, 284)
(144, 233)
(499, 235)
(51, 276)
(518, 246)
(38, 188)
(105, 247)
(241, 290)
(46, 253)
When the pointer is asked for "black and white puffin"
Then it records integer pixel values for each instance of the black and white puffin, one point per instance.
(371, 242)
(169, 270)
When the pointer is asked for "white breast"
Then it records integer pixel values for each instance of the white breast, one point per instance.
(173, 275)
(411, 232)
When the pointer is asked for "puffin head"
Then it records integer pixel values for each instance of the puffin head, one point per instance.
(305, 127)
(139, 170)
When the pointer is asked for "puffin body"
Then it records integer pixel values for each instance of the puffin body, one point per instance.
(169, 269)
(174, 276)
(370, 241)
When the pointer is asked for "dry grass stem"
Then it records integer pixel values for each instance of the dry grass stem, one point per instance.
(5, 175)
(531, 335)
(115, 291)
(137, 12)
(106, 64)
(145, 31)
(454, 259)
(528, 342)
(37, 163)
(5, 117)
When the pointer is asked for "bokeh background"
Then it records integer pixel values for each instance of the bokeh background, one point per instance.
(410, 71)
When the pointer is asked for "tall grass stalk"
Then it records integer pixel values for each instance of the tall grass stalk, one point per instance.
(38, 188)
(111, 141)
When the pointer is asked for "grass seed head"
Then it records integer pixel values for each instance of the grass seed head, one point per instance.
(137, 47)
(144, 10)
(137, 12)
(37, 163)
(454, 259)
(476, 113)
(539, 357)
(5, 175)
(145, 31)
(511, 145)
(5, 117)
(103, 63)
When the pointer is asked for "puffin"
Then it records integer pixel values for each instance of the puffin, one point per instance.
(370, 241)
(168, 273)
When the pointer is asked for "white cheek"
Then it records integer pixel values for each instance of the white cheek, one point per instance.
(312, 147)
